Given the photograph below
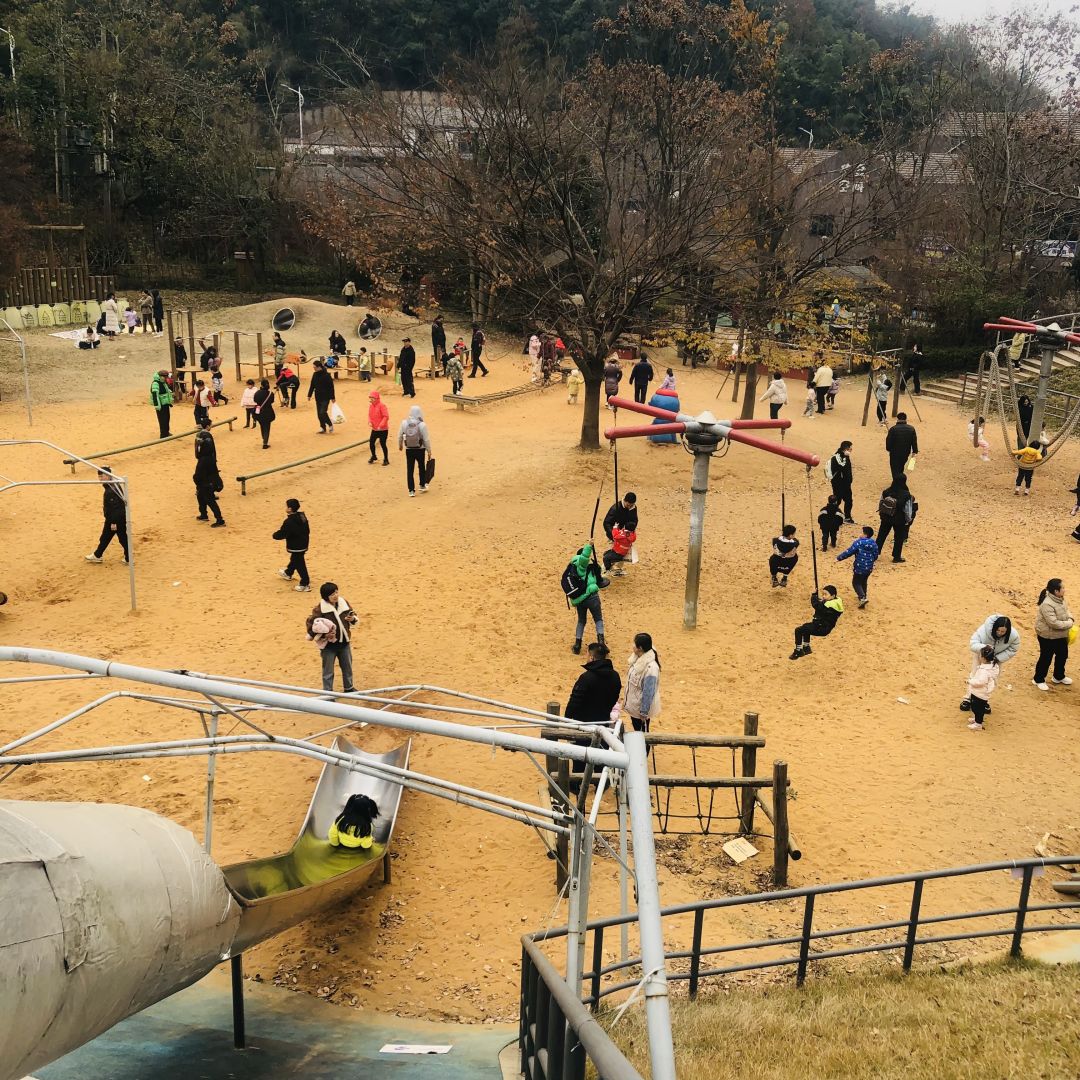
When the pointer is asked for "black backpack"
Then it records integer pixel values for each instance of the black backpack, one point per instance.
(574, 586)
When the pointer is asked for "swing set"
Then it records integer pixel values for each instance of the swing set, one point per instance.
(703, 436)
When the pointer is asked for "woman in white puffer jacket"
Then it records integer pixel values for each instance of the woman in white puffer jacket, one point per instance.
(641, 699)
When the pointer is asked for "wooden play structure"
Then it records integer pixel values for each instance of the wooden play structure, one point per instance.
(693, 796)
(65, 277)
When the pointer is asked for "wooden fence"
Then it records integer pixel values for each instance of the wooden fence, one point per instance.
(58, 285)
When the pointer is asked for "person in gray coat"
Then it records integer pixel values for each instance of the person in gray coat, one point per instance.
(415, 439)
(999, 633)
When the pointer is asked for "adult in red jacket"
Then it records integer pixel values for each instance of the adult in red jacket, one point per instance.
(379, 419)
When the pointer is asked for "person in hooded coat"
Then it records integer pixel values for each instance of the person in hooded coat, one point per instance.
(415, 439)
(379, 419)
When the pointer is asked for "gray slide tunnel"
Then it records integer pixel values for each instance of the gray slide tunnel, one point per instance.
(106, 909)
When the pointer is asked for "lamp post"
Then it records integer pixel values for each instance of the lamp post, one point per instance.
(300, 107)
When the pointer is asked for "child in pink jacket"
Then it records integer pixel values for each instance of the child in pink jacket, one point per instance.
(981, 685)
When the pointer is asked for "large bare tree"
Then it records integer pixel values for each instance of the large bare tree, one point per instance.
(579, 200)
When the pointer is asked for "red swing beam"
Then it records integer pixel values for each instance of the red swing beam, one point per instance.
(734, 430)
(1014, 326)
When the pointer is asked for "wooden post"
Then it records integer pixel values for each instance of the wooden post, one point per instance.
(258, 347)
(898, 374)
(236, 353)
(869, 393)
(191, 336)
(748, 796)
(172, 348)
(780, 824)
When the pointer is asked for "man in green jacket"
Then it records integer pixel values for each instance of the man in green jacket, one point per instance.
(161, 398)
(586, 581)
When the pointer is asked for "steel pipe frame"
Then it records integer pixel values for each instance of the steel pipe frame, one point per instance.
(335, 710)
(234, 744)
(153, 442)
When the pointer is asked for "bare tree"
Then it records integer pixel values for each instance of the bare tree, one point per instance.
(579, 201)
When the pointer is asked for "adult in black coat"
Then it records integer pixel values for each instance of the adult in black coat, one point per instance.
(623, 514)
(596, 690)
(296, 533)
(406, 362)
(901, 443)
(438, 342)
(1024, 409)
(114, 510)
(840, 468)
(159, 310)
(641, 374)
(207, 478)
(337, 343)
(322, 390)
(896, 511)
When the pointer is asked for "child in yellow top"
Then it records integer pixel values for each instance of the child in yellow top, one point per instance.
(574, 382)
(1027, 459)
(352, 828)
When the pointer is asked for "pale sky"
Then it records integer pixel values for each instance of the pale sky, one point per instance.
(952, 11)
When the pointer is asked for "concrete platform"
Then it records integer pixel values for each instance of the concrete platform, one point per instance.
(189, 1037)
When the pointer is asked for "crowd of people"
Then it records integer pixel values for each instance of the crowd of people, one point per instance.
(591, 569)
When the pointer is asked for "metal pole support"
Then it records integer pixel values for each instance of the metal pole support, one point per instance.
(1038, 412)
(699, 487)
(653, 963)
(211, 772)
(239, 1033)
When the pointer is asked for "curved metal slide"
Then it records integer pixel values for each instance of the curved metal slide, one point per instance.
(106, 909)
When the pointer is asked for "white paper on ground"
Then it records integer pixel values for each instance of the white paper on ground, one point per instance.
(414, 1048)
(740, 849)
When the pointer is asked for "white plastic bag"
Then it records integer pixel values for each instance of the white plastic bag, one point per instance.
(336, 415)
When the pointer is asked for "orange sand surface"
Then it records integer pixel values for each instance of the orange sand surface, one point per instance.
(459, 588)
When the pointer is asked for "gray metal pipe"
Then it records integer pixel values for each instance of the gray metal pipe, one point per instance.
(699, 486)
(335, 710)
(657, 1006)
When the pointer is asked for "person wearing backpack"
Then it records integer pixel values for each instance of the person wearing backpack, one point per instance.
(902, 442)
(581, 584)
(479, 339)
(827, 611)
(896, 510)
(322, 390)
(161, 398)
(414, 439)
(296, 532)
(336, 645)
(838, 473)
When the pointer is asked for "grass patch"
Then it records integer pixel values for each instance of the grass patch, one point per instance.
(991, 1021)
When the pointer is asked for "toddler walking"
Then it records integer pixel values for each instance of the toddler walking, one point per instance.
(131, 319)
(218, 385)
(247, 401)
(811, 402)
(981, 685)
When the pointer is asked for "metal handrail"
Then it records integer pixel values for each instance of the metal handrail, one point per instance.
(907, 941)
(557, 1035)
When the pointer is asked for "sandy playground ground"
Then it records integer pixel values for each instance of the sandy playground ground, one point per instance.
(460, 588)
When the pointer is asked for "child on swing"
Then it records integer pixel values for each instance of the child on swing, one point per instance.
(984, 446)
(784, 555)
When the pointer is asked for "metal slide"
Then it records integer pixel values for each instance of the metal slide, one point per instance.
(106, 909)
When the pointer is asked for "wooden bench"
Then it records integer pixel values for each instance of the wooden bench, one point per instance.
(462, 400)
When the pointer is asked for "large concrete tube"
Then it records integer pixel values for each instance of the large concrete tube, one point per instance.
(103, 910)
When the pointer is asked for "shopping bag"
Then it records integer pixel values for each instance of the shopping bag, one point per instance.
(909, 465)
(429, 471)
(336, 415)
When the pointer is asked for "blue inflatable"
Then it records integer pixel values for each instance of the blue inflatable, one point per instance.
(664, 400)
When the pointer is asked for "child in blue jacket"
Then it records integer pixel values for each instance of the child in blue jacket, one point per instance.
(866, 552)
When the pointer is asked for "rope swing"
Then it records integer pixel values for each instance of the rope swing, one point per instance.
(810, 513)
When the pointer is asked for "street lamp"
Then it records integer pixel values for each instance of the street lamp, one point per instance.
(14, 87)
(300, 106)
